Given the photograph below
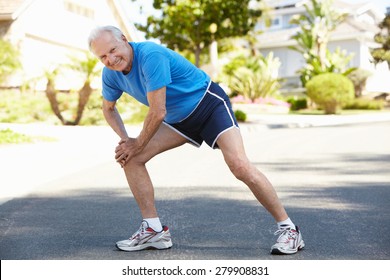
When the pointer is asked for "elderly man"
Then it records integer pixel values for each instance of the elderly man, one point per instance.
(185, 106)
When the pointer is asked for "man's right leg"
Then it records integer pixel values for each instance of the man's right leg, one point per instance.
(137, 175)
(143, 191)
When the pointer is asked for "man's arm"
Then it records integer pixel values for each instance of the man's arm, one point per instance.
(129, 147)
(155, 116)
(113, 118)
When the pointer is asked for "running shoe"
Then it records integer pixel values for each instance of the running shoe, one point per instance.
(146, 238)
(289, 241)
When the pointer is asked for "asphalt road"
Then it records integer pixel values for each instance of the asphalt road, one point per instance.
(334, 182)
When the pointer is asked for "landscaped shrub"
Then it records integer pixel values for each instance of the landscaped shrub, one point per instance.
(330, 91)
(253, 76)
(240, 115)
(297, 103)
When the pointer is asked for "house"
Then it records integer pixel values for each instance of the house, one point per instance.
(355, 35)
(48, 32)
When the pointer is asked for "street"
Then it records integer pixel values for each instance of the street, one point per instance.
(333, 180)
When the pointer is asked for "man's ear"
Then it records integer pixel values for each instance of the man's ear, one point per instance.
(124, 38)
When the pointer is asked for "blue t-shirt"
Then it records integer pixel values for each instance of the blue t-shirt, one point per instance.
(154, 67)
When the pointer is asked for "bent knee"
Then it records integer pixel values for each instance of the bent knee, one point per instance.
(139, 159)
(241, 169)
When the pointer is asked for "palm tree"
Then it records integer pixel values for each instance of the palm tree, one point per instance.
(51, 94)
(86, 66)
(312, 40)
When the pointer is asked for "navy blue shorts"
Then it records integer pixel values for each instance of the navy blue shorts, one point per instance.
(212, 117)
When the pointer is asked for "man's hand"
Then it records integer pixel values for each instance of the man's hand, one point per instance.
(126, 149)
(129, 147)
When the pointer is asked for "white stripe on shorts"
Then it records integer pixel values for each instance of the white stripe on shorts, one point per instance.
(226, 106)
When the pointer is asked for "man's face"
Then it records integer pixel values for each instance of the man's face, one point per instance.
(113, 53)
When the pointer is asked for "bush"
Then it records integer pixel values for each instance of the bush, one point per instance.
(9, 57)
(17, 107)
(28, 107)
(364, 104)
(253, 76)
(240, 115)
(330, 91)
(297, 103)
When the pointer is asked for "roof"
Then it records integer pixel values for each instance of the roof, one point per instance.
(10, 9)
(279, 4)
(125, 25)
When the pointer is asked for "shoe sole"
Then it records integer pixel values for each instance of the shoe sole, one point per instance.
(156, 245)
(276, 251)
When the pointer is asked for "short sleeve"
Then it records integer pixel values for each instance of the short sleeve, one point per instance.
(157, 72)
(110, 91)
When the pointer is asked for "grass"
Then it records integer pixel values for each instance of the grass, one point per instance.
(34, 107)
(7, 136)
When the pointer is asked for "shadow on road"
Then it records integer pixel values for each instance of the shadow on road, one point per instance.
(206, 223)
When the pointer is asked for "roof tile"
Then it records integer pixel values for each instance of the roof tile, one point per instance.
(8, 7)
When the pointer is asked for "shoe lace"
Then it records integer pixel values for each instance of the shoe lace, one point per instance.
(140, 231)
(285, 234)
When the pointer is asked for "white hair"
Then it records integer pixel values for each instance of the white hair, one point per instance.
(97, 31)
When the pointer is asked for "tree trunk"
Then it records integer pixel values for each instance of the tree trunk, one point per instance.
(51, 95)
(84, 95)
(197, 55)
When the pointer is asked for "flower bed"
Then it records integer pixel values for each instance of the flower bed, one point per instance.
(259, 105)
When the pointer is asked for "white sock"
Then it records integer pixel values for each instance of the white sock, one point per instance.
(286, 223)
(154, 223)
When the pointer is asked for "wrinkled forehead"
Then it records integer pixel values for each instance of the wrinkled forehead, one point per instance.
(103, 43)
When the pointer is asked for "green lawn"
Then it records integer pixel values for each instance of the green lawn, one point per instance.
(7, 136)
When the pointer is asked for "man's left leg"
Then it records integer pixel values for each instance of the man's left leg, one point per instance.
(232, 147)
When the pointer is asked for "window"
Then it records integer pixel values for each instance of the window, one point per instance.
(276, 23)
(78, 9)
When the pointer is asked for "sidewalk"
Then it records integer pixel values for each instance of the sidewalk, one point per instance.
(25, 167)
(301, 121)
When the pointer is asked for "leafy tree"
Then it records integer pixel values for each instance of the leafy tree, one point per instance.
(186, 24)
(316, 26)
(9, 60)
(382, 54)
